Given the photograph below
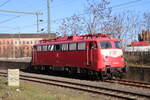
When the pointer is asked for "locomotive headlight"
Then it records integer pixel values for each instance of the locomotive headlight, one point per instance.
(105, 58)
(122, 58)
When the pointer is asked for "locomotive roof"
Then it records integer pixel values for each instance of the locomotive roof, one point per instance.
(76, 38)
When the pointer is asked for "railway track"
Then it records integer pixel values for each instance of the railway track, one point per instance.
(130, 83)
(127, 95)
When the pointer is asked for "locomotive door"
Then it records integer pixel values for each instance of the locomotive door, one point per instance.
(57, 48)
(90, 53)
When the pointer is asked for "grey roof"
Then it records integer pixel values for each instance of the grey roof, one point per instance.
(28, 35)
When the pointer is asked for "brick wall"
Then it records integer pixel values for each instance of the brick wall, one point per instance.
(20, 46)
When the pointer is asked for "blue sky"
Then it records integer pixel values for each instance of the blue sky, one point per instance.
(14, 23)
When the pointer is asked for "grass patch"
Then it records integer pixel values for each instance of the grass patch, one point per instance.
(35, 91)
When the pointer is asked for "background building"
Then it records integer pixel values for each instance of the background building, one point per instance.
(144, 36)
(19, 45)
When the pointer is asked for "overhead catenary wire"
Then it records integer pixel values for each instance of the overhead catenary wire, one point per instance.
(4, 3)
(6, 15)
(9, 19)
(115, 6)
(55, 20)
(126, 3)
(21, 12)
(16, 28)
(63, 4)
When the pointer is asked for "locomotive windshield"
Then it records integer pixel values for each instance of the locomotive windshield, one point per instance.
(105, 44)
(117, 44)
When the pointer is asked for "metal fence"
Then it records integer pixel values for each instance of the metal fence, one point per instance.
(137, 58)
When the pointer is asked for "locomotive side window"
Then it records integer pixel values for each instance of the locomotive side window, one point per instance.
(39, 48)
(117, 44)
(57, 47)
(105, 44)
(81, 46)
(49, 47)
(64, 47)
(52, 48)
(34, 48)
(73, 46)
(44, 48)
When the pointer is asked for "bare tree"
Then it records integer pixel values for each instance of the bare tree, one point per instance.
(147, 20)
(124, 26)
(133, 26)
(72, 25)
(98, 18)
(90, 22)
(97, 13)
(114, 27)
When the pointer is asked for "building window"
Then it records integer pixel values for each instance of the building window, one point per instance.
(11, 42)
(23, 42)
(15, 42)
(19, 42)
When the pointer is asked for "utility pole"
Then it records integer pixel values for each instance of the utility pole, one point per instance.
(37, 21)
(48, 16)
(30, 13)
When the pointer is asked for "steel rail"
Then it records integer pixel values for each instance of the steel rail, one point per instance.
(31, 78)
(130, 83)
(72, 87)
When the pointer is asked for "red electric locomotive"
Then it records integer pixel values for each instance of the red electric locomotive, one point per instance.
(93, 54)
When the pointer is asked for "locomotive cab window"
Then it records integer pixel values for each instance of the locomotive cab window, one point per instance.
(117, 44)
(105, 45)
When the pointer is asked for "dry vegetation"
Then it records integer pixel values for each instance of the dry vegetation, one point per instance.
(35, 91)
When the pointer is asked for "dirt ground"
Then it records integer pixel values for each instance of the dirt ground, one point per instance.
(36, 91)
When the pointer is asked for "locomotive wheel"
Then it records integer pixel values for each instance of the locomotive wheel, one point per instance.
(69, 71)
(120, 75)
(109, 75)
(97, 76)
(104, 76)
